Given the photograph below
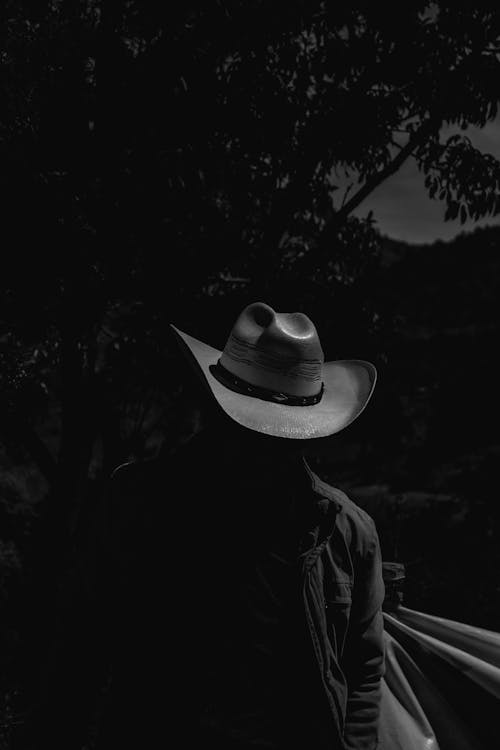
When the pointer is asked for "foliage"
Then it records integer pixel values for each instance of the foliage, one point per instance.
(196, 158)
(168, 164)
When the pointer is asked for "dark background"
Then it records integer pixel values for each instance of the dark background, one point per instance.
(173, 164)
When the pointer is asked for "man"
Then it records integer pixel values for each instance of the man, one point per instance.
(264, 584)
(239, 597)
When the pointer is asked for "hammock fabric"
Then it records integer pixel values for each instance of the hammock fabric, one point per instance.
(441, 690)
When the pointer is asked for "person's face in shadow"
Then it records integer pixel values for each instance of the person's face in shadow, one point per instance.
(236, 441)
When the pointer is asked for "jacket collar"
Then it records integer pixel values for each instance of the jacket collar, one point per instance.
(321, 493)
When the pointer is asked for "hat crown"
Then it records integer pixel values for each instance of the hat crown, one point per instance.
(277, 351)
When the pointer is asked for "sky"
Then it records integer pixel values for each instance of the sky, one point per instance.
(403, 209)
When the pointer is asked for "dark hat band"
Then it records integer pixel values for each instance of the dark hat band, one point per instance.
(234, 383)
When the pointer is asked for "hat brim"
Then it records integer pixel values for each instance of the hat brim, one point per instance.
(348, 386)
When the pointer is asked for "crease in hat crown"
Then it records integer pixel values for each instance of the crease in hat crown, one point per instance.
(276, 351)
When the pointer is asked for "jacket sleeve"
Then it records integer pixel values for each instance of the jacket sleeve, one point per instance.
(364, 649)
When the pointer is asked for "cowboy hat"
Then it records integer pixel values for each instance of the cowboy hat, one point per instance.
(271, 376)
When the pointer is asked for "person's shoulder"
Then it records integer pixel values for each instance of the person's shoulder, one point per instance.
(345, 505)
(164, 471)
(135, 475)
(353, 512)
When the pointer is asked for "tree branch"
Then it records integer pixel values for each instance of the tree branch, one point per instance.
(376, 179)
(347, 191)
(310, 154)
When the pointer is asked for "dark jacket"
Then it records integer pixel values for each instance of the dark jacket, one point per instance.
(341, 580)
(140, 584)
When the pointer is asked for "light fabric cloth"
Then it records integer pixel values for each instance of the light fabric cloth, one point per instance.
(435, 668)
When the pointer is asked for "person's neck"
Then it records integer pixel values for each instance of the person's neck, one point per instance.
(261, 458)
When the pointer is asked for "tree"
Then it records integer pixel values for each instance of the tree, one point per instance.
(170, 156)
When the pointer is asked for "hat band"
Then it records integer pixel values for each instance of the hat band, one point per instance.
(234, 383)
